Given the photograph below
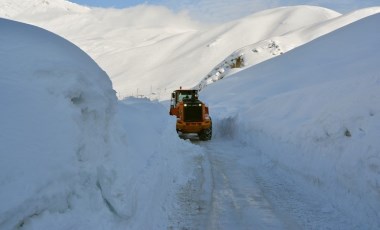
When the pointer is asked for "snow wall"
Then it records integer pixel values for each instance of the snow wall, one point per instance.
(71, 155)
(314, 112)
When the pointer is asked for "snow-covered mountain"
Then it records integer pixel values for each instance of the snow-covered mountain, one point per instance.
(167, 43)
(32, 8)
(273, 46)
(148, 49)
(120, 40)
(73, 156)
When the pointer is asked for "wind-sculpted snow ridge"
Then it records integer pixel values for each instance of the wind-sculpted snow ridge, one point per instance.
(272, 47)
(71, 155)
(312, 113)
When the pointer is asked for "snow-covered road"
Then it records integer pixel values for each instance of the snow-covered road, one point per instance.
(237, 200)
(296, 142)
(239, 187)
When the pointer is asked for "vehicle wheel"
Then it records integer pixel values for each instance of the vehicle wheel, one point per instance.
(205, 135)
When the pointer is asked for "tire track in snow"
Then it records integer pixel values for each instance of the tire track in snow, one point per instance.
(238, 187)
(251, 191)
(237, 201)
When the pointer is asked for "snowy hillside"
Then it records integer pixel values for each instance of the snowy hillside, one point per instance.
(71, 155)
(273, 46)
(294, 102)
(9, 8)
(149, 49)
(313, 114)
(166, 46)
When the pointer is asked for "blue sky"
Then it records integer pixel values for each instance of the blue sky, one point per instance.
(224, 10)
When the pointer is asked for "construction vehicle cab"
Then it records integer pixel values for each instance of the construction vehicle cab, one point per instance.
(192, 114)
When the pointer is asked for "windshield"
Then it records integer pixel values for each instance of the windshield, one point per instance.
(186, 95)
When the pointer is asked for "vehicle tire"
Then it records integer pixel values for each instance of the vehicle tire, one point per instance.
(205, 135)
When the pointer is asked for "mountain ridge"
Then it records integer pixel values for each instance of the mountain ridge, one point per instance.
(17, 8)
(176, 50)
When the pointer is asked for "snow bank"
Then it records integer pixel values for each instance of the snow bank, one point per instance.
(71, 155)
(51, 94)
(319, 105)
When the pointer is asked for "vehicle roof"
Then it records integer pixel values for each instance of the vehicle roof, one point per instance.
(186, 90)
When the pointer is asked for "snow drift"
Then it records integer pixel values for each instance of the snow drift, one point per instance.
(71, 155)
(319, 105)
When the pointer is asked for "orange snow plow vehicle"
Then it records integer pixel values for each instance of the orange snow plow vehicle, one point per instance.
(192, 114)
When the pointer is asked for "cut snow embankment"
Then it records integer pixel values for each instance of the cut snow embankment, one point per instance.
(71, 155)
(314, 112)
